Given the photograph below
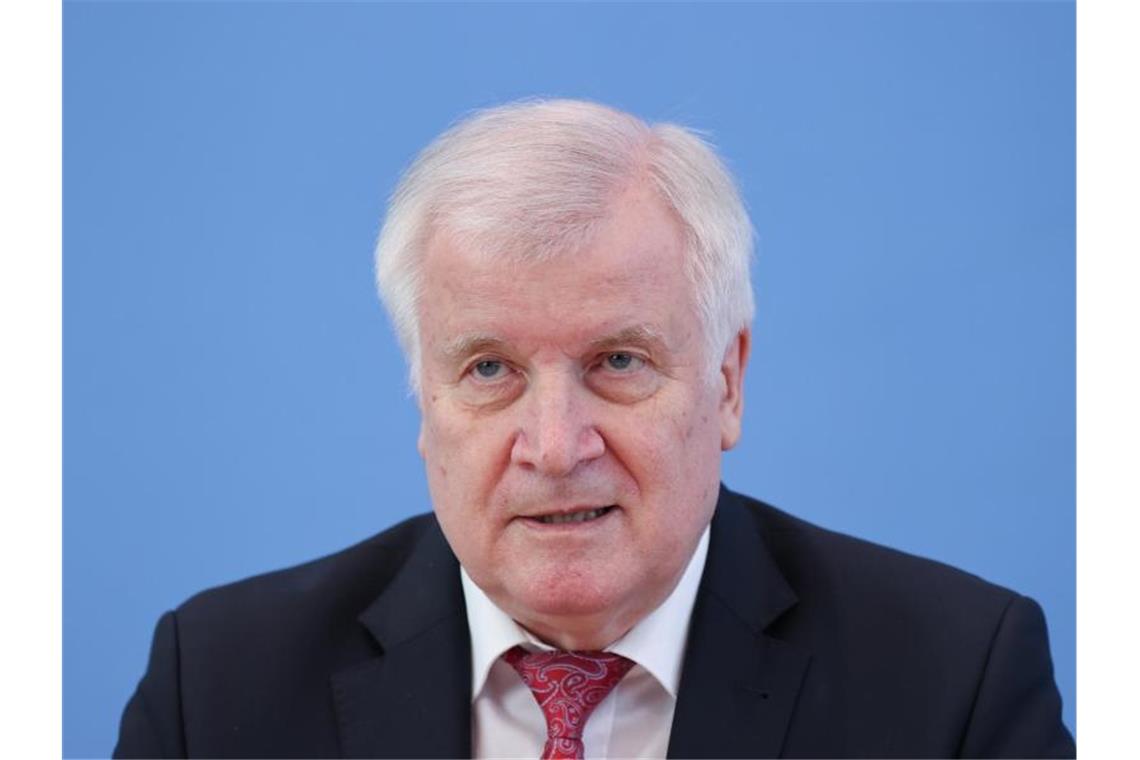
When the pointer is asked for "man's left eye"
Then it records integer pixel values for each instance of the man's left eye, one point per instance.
(488, 369)
(623, 362)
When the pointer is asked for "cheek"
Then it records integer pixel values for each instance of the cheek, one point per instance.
(680, 438)
(444, 472)
(462, 459)
(677, 469)
(435, 451)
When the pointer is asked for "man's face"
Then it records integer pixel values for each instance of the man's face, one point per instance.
(571, 436)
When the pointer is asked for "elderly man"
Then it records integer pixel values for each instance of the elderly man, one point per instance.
(571, 287)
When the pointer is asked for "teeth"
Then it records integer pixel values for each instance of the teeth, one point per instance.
(574, 517)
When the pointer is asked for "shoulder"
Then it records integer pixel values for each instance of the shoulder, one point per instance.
(909, 656)
(872, 593)
(243, 669)
(815, 557)
(310, 601)
(806, 548)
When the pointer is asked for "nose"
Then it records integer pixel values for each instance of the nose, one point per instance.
(557, 432)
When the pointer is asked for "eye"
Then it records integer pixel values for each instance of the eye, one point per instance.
(623, 362)
(624, 377)
(488, 369)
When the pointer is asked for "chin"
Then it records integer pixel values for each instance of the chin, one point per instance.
(562, 595)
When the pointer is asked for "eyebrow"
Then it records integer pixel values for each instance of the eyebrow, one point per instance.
(639, 335)
(473, 343)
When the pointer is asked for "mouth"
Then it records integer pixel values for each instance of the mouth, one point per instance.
(579, 516)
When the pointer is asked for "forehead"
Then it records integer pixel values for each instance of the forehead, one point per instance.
(631, 274)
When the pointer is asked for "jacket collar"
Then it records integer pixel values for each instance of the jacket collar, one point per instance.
(414, 698)
(738, 684)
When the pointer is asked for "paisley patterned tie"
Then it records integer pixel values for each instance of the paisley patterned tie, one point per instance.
(567, 686)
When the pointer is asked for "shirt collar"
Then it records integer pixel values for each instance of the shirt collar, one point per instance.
(657, 643)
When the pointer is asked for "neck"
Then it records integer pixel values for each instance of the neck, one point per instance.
(572, 640)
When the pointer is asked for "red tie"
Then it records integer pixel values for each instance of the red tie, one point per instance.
(567, 686)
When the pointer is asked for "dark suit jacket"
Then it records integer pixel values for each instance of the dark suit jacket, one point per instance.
(803, 642)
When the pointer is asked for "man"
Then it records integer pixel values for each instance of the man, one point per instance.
(571, 288)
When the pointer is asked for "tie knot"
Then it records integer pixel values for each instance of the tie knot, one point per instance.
(567, 686)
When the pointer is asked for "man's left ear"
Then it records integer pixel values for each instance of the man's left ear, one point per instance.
(732, 399)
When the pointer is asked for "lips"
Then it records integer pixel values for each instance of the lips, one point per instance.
(576, 516)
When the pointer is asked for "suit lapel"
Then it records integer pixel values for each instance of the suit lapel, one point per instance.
(738, 685)
(414, 698)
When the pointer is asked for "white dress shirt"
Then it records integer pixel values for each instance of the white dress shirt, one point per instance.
(634, 720)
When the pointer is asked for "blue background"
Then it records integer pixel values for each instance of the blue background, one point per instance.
(234, 399)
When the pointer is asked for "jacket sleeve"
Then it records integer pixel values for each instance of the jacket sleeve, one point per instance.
(1017, 710)
(152, 721)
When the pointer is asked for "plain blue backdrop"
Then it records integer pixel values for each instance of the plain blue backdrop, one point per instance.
(234, 399)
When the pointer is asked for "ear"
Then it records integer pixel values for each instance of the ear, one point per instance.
(732, 400)
(420, 443)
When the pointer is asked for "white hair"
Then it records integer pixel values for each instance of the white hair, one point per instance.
(536, 178)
